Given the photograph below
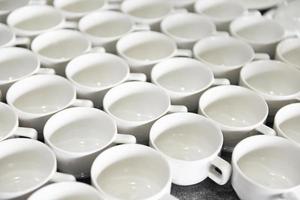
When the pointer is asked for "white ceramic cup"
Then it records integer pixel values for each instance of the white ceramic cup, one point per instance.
(9, 125)
(105, 28)
(78, 135)
(38, 97)
(26, 165)
(93, 74)
(191, 143)
(189, 29)
(278, 83)
(56, 48)
(8, 38)
(66, 191)
(185, 81)
(18, 63)
(225, 55)
(136, 105)
(266, 168)
(239, 112)
(287, 122)
(144, 49)
(132, 171)
(33, 20)
(288, 51)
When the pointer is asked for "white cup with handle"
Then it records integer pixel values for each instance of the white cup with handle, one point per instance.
(116, 169)
(225, 55)
(288, 51)
(105, 28)
(278, 83)
(18, 63)
(66, 191)
(191, 143)
(8, 38)
(78, 135)
(93, 74)
(185, 81)
(38, 97)
(266, 168)
(26, 165)
(136, 105)
(144, 49)
(10, 125)
(239, 112)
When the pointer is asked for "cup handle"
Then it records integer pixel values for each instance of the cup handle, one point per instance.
(113, 5)
(297, 98)
(177, 108)
(265, 130)
(224, 167)
(290, 195)
(70, 25)
(179, 10)
(137, 77)
(83, 103)
(125, 139)
(26, 132)
(37, 2)
(183, 53)
(46, 71)
(141, 27)
(96, 50)
(252, 13)
(62, 177)
(261, 56)
(221, 33)
(221, 81)
(22, 41)
(168, 197)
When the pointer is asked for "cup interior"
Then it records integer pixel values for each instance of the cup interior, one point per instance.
(193, 138)
(80, 130)
(289, 50)
(24, 166)
(16, 63)
(185, 75)
(130, 102)
(102, 70)
(8, 121)
(41, 94)
(238, 107)
(272, 78)
(146, 46)
(6, 35)
(8, 5)
(60, 44)
(105, 24)
(79, 6)
(223, 51)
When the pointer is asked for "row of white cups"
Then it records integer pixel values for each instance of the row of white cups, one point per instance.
(262, 166)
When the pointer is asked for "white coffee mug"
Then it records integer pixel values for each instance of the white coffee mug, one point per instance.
(278, 83)
(136, 105)
(132, 171)
(18, 63)
(185, 81)
(78, 135)
(26, 165)
(287, 122)
(225, 55)
(8, 38)
(10, 125)
(33, 20)
(239, 112)
(189, 29)
(191, 143)
(56, 48)
(288, 51)
(105, 28)
(93, 74)
(38, 97)
(66, 191)
(144, 49)
(266, 168)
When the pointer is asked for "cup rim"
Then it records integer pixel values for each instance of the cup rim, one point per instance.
(279, 51)
(3, 12)
(16, 122)
(13, 35)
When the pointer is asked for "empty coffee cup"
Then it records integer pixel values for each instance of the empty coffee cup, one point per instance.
(288, 51)
(185, 81)
(105, 28)
(26, 165)
(38, 97)
(191, 143)
(132, 171)
(225, 55)
(93, 74)
(8, 38)
(144, 49)
(136, 105)
(277, 82)
(266, 168)
(78, 135)
(239, 112)
(6, 6)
